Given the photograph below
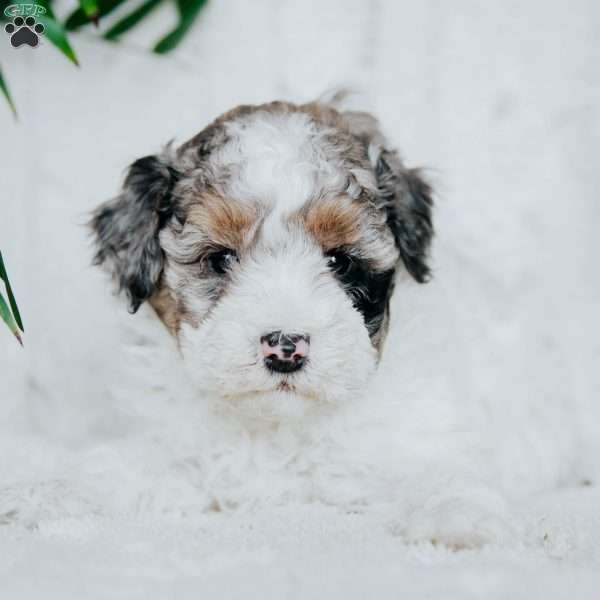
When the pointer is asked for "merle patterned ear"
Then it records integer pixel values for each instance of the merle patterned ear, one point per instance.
(126, 228)
(407, 198)
(405, 194)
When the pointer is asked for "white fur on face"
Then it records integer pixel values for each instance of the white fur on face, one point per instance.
(285, 287)
(279, 161)
(275, 165)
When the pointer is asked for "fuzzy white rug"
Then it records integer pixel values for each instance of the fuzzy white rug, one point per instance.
(299, 552)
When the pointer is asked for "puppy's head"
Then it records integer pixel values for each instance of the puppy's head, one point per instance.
(269, 244)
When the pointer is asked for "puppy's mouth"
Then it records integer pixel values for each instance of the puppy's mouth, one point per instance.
(286, 385)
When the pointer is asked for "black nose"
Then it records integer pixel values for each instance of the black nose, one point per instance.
(284, 352)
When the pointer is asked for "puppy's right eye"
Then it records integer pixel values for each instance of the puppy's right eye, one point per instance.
(339, 262)
(221, 261)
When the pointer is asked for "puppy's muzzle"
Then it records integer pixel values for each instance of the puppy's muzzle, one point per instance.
(284, 352)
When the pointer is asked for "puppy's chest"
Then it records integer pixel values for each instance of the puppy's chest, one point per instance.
(233, 469)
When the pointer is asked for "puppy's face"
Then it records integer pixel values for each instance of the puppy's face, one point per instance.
(268, 244)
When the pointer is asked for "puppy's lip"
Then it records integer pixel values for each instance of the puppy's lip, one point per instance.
(285, 385)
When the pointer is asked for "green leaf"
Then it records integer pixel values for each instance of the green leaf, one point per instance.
(7, 95)
(132, 19)
(90, 8)
(7, 317)
(188, 11)
(46, 5)
(54, 31)
(57, 35)
(3, 6)
(11, 296)
(78, 18)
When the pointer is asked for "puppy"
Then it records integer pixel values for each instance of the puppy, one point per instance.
(269, 245)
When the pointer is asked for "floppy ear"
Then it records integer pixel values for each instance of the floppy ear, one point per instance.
(405, 193)
(126, 228)
(407, 198)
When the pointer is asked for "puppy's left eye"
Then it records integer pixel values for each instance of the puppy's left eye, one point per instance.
(339, 262)
(222, 261)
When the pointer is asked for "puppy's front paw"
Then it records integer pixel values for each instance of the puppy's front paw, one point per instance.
(458, 523)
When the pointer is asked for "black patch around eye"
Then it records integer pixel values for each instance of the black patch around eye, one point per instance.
(339, 262)
(222, 260)
(368, 289)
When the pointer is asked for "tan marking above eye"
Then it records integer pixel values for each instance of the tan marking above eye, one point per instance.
(225, 222)
(334, 222)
